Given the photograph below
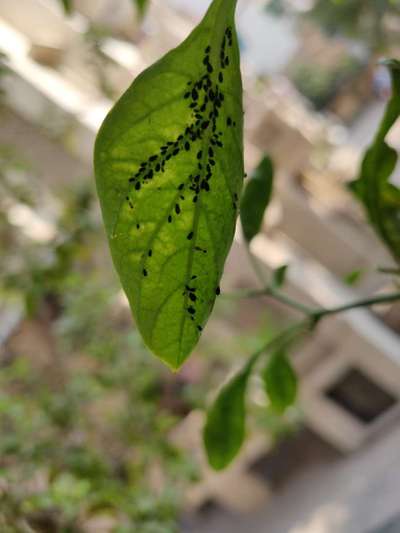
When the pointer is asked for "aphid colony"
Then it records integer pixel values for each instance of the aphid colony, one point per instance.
(205, 100)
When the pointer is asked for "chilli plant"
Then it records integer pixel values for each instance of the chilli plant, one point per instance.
(169, 172)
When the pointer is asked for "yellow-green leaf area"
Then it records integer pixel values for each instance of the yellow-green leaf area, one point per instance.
(169, 172)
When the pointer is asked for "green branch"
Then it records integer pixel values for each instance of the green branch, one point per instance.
(315, 314)
(271, 292)
(368, 302)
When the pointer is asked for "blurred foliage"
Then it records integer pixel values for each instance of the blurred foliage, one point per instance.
(4, 70)
(320, 83)
(140, 5)
(359, 19)
(373, 187)
(67, 5)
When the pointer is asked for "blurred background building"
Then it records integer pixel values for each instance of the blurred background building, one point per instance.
(313, 98)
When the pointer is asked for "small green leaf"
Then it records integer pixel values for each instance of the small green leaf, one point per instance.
(169, 172)
(256, 198)
(353, 277)
(67, 5)
(381, 199)
(224, 431)
(141, 5)
(279, 276)
(280, 381)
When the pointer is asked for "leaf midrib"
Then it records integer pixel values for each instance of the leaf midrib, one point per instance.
(215, 32)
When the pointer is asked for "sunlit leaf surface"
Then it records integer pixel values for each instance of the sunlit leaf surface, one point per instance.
(169, 171)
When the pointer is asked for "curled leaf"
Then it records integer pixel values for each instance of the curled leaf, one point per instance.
(256, 198)
(169, 172)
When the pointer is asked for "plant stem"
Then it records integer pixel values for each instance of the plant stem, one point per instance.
(387, 270)
(255, 265)
(289, 334)
(368, 302)
(276, 295)
(315, 314)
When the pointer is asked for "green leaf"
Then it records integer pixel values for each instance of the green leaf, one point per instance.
(381, 199)
(280, 381)
(141, 5)
(256, 198)
(169, 171)
(67, 5)
(224, 431)
(279, 276)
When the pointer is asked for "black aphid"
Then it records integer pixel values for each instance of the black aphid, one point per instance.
(190, 236)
